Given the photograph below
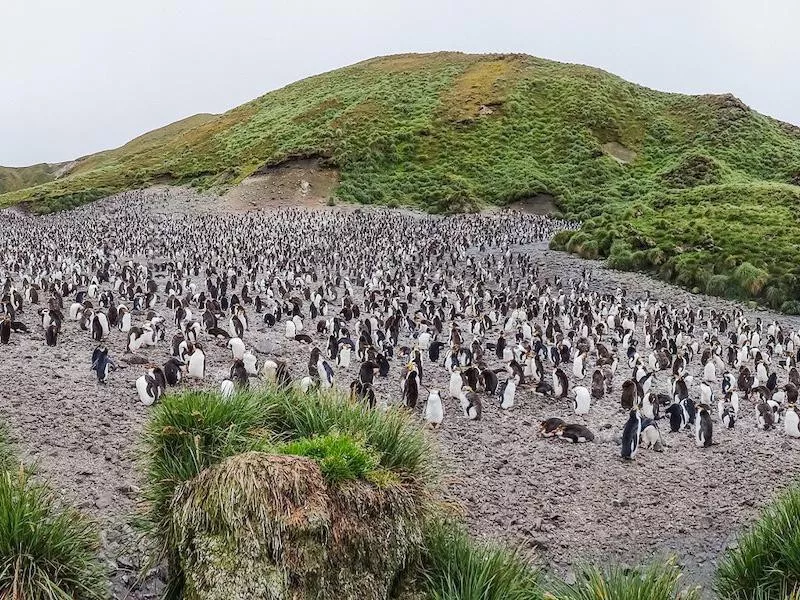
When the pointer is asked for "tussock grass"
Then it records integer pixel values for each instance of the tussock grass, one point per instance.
(197, 443)
(47, 550)
(454, 567)
(658, 581)
(766, 562)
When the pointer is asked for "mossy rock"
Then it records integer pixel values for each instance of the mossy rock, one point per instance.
(269, 526)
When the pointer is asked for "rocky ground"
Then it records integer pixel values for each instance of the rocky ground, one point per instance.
(564, 504)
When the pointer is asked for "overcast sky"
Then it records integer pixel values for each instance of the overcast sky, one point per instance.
(79, 77)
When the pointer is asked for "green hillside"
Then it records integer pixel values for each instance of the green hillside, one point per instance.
(699, 188)
(18, 178)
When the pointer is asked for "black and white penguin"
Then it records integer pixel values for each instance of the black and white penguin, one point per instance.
(676, 415)
(471, 404)
(631, 434)
(5, 330)
(560, 383)
(173, 371)
(410, 387)
(101, 364)
(575, 433)
(506, 392)
(489, 381)
(582, 400)
(703, 427)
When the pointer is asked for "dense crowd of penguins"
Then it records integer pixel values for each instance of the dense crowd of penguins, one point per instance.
(377, 294)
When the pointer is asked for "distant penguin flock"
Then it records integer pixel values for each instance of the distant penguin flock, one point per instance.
(456, 310)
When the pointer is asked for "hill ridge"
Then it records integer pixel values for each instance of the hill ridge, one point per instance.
(656, 177)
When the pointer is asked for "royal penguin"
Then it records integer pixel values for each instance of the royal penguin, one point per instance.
(582, 400)
(791, 421)
(434, 409)
(471, 404)
(197, 363)
(410, 387)
(506, 393)
(173, 371)
(651, 436)
(575, 433)
(549, 427)
(765, 417)
(676, 416)
(560, 383)
(102, 364)
(631, 434)
(703, 427)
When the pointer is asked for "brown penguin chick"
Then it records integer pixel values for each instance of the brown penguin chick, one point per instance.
(548, 427)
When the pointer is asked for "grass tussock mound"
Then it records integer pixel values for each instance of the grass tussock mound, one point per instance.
(48, 551)
(310, 495)
(766, 561)
(658, 581)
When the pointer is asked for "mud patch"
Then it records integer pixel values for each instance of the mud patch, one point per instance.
(301, 182)
(619, 152)
(540, 204)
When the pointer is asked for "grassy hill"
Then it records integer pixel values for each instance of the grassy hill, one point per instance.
(701, 189)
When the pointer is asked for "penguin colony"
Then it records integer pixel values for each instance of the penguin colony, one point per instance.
(454, 318)
(409, 293)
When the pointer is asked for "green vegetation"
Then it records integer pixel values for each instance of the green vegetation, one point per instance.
(47, 551)
(457, 568)
(766, 561)
(689, 187)
(284, 486)
(658, 581)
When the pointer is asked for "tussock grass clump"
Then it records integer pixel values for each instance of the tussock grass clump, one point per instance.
(340, 457)
(285, 487)
(454, 567)
(766, 562)
(658, 581)
(47, 551)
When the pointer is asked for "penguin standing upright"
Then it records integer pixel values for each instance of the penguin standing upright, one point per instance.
(434, 410)
(582, 400)
(410, 388)
(5, 330)
(101, 364)
(173, 371)
(197, 363)
(791, 421)
(631, 434)
(506, 392)
(703, 427)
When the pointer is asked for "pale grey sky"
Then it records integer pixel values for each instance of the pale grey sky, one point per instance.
(82, 76)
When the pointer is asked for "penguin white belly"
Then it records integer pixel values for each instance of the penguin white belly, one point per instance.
(197, 363)
(227, 388)
(343, 359)
(250, 363)
(434, 411)
(290, 330)
(141, 387)
(791, 424)
(508, 395)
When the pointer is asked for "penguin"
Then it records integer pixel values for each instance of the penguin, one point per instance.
(703, 427)
(173, 371)
(343, 355)
(579, 366)
(291, 330)
(549, 427)
(651, 436)
(148, 389)
(631, 434)
(471, 404)
(237, 348)
(51, 335)
(791, 421)
(410, 388)
(197, 363)
(489, 379)
(227, 389)
(582, 400)
(575, 433)
(239, 375)
(598, 384)
(5, 331)
(765, 418)
(677, 419)
(101, 364)
(434, 410)
(506, 392)
(630, 395)
(560, 383)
